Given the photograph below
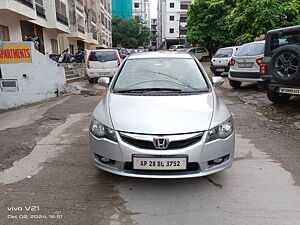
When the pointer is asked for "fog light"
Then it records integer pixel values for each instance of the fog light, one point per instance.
(218, 161)
(104, 160)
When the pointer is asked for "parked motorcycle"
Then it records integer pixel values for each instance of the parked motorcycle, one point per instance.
(78, 57)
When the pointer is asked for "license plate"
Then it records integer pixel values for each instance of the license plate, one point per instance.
(245, 65)
(220, 70)
(145, 163)
(104, 74)
(293, 91)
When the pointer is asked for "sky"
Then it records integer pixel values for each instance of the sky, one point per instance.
(153, 8)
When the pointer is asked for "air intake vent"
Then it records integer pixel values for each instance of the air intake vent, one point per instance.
(9, 85)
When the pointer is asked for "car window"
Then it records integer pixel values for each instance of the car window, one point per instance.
(224, 53)
(192, 50)
(161, 73)
(200, 50)
(103, 56)
(286, 39)
(251, 49)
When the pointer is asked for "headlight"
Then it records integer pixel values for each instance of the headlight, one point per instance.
(221, 131)
(101, 131)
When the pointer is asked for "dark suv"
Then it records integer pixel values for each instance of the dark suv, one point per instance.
(281, 63)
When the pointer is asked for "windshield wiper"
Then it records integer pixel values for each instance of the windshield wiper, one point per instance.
(146, 90)
(143, 90)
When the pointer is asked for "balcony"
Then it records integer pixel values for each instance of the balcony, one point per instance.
(26, 2)
(62, 19)
(40, 11)
(81, 29)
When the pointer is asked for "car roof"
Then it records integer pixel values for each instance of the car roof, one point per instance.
(255, 42)
(104, 50)
(164, 54)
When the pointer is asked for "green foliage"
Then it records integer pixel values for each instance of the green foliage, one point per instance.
(129, 33)
(223, 22)
(206, 23)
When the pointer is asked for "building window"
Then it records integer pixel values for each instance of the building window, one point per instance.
(40, 2)
(102, 18)
(171, 18)
(171, 31)
(183, 32)
(136, 5)
(172, 4)
(184, 6)
(54, 46)
(61, 12)
(183, 19)
(4, 34)
(60, 7)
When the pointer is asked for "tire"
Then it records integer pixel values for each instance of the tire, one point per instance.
(285, 64)
(235, 84)
(91, 80)
(277, 97)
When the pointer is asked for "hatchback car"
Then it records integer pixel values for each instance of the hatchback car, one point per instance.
(221, 60)
(199, 53)
(104, 62)
(245, 64)
(178, 48)
(161, 118)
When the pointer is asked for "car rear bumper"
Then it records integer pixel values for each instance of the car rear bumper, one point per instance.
(199, 156)
(215, 68)
(94, 73)
(245, 76)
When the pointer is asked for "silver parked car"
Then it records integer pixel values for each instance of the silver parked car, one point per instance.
(245, 64)
(161, 118)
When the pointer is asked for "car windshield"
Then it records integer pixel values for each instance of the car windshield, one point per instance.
(224, 53)
(251, 49)
(161, 74)
(103, 56)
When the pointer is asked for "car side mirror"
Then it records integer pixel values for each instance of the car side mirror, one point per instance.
(217, 81)
(104, 81)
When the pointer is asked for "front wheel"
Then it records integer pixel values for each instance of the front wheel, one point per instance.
(235, 84)
(217, 73)
(277, 97)
(91, 80)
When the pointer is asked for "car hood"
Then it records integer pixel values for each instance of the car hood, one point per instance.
(161, 114)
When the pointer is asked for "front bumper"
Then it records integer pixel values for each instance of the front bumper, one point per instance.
(200, 154)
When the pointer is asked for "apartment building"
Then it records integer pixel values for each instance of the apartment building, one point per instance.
(141, 9)
(172, 15)
(154, 32)
(58, 24)
(90, 25)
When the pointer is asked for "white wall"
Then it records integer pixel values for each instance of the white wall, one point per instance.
(14, 27)
(48, 35)
(43, 79)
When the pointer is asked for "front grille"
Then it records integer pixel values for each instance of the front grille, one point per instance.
(145, 144)
(250, 75)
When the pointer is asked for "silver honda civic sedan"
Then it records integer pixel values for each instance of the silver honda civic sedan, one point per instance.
(161, 118)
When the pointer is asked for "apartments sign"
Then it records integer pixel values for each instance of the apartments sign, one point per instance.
(15, 53)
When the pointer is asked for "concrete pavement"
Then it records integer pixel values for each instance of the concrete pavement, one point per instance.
(55, 174)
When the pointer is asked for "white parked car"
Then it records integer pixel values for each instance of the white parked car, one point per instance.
(102, 63)
(178, 48)
(221, 59)
(199, 53)
(245, 64)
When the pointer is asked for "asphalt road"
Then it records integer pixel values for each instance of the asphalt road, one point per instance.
(53, 181)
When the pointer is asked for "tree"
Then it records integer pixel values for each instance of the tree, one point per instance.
(217, 23)
(129, 33)
(206, 23)
(251, 18)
